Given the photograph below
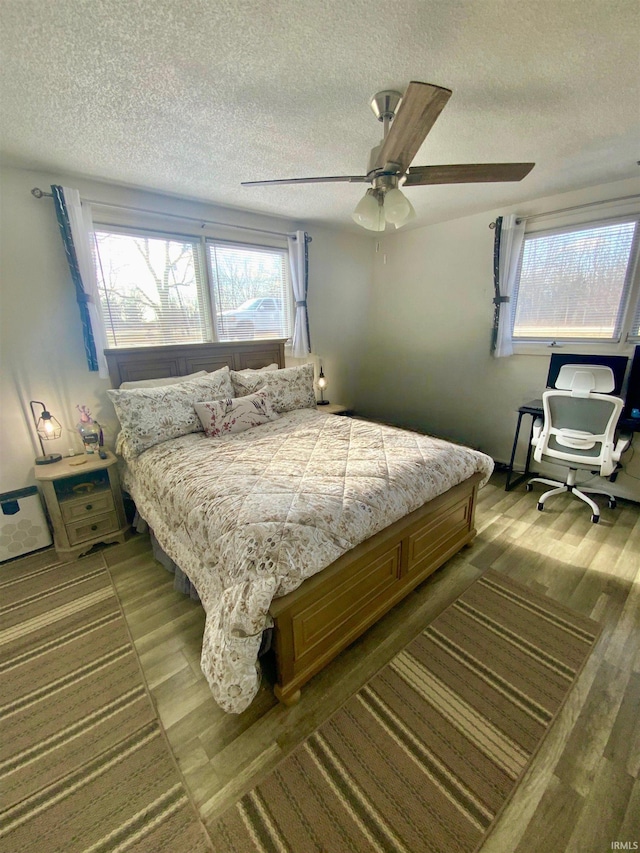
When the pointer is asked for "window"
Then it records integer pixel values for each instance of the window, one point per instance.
(152, 290)
(634, 334)
(168, 289)
(575, 284)
(250, 291)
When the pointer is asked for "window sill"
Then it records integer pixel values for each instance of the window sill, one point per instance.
(604, 348)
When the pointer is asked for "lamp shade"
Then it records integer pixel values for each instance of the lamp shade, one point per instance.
(369, 212)
(396, 206)
(47, 428)
(322, 384)
(411, 214)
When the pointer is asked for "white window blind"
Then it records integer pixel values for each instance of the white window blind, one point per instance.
(573, 284)
(152, 289)
(250, 290)
(634, 332)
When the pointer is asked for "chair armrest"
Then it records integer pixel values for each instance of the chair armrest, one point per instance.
(622, 444)
(537, 429)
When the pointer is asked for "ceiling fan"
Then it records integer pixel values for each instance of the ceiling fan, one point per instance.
(407, 120)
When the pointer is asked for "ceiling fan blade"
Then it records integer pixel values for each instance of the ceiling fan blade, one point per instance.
(421, 105)
(334, 179)
(467, 173)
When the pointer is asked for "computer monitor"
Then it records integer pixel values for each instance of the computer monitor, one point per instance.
(617, 363)
(631, 410)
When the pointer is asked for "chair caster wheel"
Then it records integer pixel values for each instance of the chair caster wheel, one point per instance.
(529, 487)
(540, 507)
(612, 503)
(595, 519)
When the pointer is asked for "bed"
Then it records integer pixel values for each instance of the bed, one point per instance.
(311, 525)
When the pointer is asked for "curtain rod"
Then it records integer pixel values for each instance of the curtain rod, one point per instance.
(38, 193)
(568, 209)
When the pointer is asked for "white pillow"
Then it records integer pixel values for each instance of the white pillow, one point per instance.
(273, 366)
(157, 383)
(149, 416)
(289, 388)
(223, 417)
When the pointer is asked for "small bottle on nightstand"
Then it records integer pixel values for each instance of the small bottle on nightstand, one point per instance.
(90, 432)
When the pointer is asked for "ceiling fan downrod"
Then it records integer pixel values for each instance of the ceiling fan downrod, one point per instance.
(385, 105)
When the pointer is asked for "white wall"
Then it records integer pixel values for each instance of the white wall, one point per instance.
(340, 275)
(42, 354)
(406, 340)
(427, 363)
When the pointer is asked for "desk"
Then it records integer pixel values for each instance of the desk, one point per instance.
(534, 409)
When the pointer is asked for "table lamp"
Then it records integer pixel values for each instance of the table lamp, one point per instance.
(47, 428)
(322, 384)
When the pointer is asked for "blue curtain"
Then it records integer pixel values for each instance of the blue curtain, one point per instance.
(497, 299)
(307, 240)
(72, 259)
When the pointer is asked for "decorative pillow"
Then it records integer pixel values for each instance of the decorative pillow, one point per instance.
(222, 417)
(149, 416)
(289, 388)
(157, 383)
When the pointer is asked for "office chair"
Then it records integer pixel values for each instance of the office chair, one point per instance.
(578, 429)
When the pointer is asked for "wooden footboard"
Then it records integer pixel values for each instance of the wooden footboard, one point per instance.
(332, 609)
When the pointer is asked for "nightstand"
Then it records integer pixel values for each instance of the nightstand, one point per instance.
(333, 409)
(84, 503)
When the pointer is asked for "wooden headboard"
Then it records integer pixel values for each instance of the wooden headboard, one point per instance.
(135, 363)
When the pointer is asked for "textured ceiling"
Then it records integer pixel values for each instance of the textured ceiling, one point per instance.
(193, 96)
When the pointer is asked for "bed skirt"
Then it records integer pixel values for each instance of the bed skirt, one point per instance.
(181, 582)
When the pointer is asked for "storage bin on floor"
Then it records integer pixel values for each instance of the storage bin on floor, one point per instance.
(23, 526)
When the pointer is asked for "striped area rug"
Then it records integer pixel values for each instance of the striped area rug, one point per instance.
(426, 755)
(84, 765)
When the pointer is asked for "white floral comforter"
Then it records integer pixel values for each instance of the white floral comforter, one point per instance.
(248, 517)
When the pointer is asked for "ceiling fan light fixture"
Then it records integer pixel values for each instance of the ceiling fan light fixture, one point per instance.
(369, 212)
(396, 206)
(410, 215)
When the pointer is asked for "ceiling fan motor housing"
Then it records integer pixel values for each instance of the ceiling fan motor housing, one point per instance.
(385, 182)
(388, 170)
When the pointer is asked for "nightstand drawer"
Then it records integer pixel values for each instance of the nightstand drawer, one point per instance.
(80, 508)
(91, 528)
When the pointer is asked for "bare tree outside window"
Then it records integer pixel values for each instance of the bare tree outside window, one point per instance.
(150, 289)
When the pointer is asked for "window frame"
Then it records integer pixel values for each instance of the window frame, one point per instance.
(627, 308)
(142, 232)
(290, 308)
(200, 241)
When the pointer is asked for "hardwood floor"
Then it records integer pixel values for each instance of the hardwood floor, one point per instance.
(582, 791)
